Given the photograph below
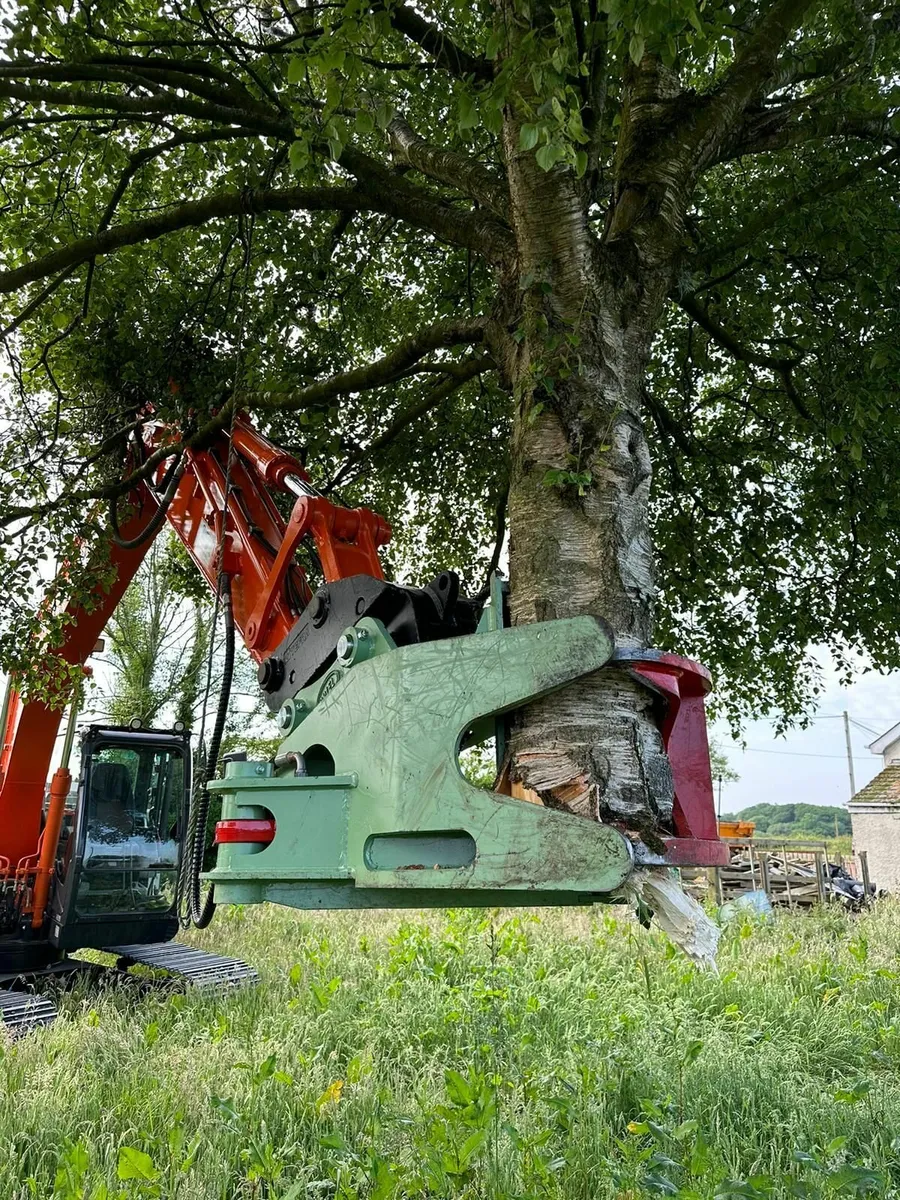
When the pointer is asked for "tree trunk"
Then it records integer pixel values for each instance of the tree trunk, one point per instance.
(580, 482)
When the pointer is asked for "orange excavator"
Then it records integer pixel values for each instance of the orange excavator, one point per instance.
(110, 874)
(355, 658)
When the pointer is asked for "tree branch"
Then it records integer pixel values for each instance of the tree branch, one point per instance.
(499, 538)
(753, 63)
(256, 122)
(379, 191)
(392, 194)
(182, 216)
(140, 158)
(448, 167)
(387, 369)
(782, 367)
(799, 67)
(133, 70)
(444, 333)
(34, 304)
(432, 398)
(765, 133)
(436, 43)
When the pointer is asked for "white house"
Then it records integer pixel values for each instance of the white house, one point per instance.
(875, 814)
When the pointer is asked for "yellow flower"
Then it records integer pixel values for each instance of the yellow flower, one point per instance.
(331, 1095)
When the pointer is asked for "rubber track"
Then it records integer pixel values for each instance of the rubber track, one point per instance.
(196, 966)
(23, 1011)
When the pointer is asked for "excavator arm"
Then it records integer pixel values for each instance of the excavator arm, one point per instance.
(225, 509)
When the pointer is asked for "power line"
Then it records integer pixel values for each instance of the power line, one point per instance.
(867, 728)
(800, 753)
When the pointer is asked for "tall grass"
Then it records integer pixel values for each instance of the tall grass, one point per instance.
(468, 1054)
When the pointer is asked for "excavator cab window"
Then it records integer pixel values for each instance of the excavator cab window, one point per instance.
(132, 804)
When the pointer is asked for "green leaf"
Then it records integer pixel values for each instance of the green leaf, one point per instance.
(298, 155)
(581, 163)
(457, 1088)
(384, 114)
(364, 121)
(548, 155)
(331, 58)
(471, 1146)
(528, 136)
(467, 110)
(135, 1164)
(636, 49)
(494, 42)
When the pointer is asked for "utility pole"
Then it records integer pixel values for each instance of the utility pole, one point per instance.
(849, 755)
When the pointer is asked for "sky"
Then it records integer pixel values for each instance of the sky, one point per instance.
(809, 766)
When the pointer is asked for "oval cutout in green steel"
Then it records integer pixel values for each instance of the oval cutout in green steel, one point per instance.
(433, 851)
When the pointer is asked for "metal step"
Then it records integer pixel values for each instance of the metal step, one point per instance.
(23, 1011)
(196, 966)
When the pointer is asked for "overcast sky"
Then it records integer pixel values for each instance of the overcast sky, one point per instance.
(810, 765)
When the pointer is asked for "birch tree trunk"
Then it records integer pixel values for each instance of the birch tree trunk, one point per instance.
(581, 474)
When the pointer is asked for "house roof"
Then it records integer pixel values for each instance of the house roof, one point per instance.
(881, 743)
(884, 788)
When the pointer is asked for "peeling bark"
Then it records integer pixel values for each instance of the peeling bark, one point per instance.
(580, 544)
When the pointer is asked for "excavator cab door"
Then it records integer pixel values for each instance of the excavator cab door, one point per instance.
(118, 868)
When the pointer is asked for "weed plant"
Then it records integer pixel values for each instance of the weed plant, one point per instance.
(469, 1054)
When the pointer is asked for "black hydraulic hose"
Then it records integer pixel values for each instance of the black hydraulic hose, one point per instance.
(170, 483)
(201, 911)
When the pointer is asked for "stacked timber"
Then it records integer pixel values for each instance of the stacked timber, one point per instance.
(796, 875)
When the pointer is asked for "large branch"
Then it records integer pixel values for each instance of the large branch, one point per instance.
(436, 43)
(766, 133)
(132, 72)
(397, 197)
(380, 191)
(797, 66)
(448, 167)
(171, 104)
(359, 379)
(753, 64)
(387, 369)
(181, 216)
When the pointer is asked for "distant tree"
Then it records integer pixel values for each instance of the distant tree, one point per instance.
(796, 820)
(157, 646)
(721, 767)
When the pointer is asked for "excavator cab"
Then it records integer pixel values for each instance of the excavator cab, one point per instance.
(118, 863)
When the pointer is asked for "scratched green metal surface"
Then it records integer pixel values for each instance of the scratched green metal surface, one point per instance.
(398, 824)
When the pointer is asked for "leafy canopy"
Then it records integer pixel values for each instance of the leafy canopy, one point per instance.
(303, 210)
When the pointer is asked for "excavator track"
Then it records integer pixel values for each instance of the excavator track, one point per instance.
(20, 1012)
(195, 966)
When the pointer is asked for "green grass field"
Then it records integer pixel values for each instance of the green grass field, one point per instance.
(565, 1054)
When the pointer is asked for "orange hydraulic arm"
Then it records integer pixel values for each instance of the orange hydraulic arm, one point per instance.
(227, 518)
(269, 588)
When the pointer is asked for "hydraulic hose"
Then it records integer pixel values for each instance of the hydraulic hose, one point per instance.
(201, 911)
(170, 483)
